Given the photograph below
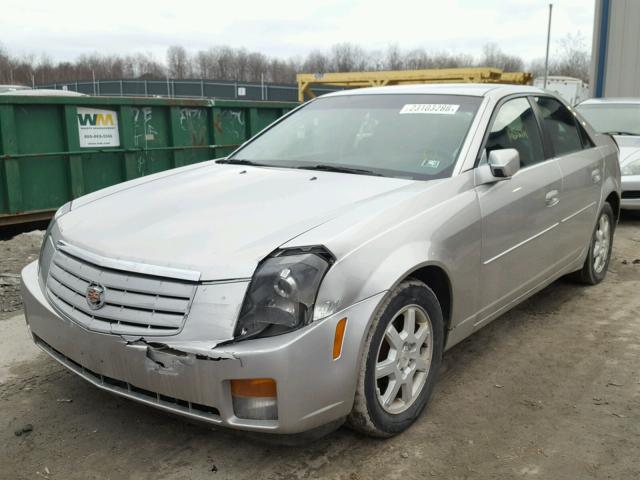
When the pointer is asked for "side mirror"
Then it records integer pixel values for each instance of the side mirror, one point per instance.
(501, 165)
(504, 163)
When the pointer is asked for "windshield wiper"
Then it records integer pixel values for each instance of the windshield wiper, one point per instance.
(237, 161)
(338, 169)
(322, 167)
(623, 133)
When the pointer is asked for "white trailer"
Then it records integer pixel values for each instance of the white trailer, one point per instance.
(573, 90)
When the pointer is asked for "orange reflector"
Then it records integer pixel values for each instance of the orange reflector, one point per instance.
(337, 340)
(254, 387)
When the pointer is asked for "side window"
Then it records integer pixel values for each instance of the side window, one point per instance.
(560, 124)
(515, 126)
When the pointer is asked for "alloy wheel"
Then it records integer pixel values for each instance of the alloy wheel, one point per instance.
(601, 243)
(404, 359)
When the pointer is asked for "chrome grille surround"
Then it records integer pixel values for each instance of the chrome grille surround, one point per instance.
(135, 303)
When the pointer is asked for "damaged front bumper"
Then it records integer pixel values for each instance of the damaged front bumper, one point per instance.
(191, 378)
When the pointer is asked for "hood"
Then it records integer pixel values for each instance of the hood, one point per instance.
(220, 220)
(629, 146)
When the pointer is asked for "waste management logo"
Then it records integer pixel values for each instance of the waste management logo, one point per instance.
(98, 128)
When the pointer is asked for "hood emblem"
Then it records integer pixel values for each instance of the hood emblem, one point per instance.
(95, 296)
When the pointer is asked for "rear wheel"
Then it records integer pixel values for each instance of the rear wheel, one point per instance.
(595, 265)
(402, 357)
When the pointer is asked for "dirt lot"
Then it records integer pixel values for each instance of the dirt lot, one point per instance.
(15, 254)
(550, 390)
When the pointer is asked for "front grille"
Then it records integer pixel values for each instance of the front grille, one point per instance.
(135, 304)
(631, 194)
(205, 412)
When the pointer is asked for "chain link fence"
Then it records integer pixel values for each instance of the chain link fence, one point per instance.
(186, 89)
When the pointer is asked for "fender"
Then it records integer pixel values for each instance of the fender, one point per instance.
(377, 264)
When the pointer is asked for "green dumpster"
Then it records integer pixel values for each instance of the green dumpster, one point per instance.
(54, 149)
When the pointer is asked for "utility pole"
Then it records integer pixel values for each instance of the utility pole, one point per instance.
(546, 58)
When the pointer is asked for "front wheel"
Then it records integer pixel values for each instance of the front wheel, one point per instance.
(401, 361)
(595, 265)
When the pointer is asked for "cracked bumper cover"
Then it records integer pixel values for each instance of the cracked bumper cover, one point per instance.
(312, 388)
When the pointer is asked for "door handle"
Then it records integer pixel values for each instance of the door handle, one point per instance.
(552, 198)
(595, 175)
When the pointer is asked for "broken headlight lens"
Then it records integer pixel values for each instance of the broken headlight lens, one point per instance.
(282, 293)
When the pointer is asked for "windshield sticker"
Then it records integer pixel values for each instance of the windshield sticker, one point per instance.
(431, 163)
(430, 108)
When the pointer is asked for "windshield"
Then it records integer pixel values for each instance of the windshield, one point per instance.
(617, 118)
(409, 136)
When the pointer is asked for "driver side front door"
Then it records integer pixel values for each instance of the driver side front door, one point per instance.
(519, 215)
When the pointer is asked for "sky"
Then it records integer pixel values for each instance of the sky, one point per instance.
(283, 28)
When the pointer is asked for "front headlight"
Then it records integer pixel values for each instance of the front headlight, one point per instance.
(282, 293)
(64, 209)
(631, 168)
(48, 243)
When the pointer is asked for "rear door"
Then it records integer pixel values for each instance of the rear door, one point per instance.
(582, 168)
(519, 215)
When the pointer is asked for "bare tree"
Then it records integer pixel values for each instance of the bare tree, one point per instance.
(256, 66)
(493, 56)
(223, 62)
(316, 62)
(146, 67)
(177, 61)
(447, 60)
(416, 60)
(6, 74)
(570, 58)
(394, 59)
(204, 64)
(346, 57)
(574, 59)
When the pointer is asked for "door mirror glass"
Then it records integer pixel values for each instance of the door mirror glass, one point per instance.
(504, 163)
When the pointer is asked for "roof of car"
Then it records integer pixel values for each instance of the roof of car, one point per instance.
(471, 89)
(595, 101)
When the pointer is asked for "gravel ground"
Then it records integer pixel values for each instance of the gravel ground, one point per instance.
(14, 255)
(551, 390)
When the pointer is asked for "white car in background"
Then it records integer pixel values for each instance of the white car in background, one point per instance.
(41, 92)
(620, 117)
(11, 89)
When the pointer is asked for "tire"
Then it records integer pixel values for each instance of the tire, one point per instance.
(595, 265)
(376, 411)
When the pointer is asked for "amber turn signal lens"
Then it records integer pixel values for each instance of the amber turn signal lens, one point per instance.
(339, 337)
(254, 387)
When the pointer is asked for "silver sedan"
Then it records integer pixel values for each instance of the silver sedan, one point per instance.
(318, 274)
(620, 117)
